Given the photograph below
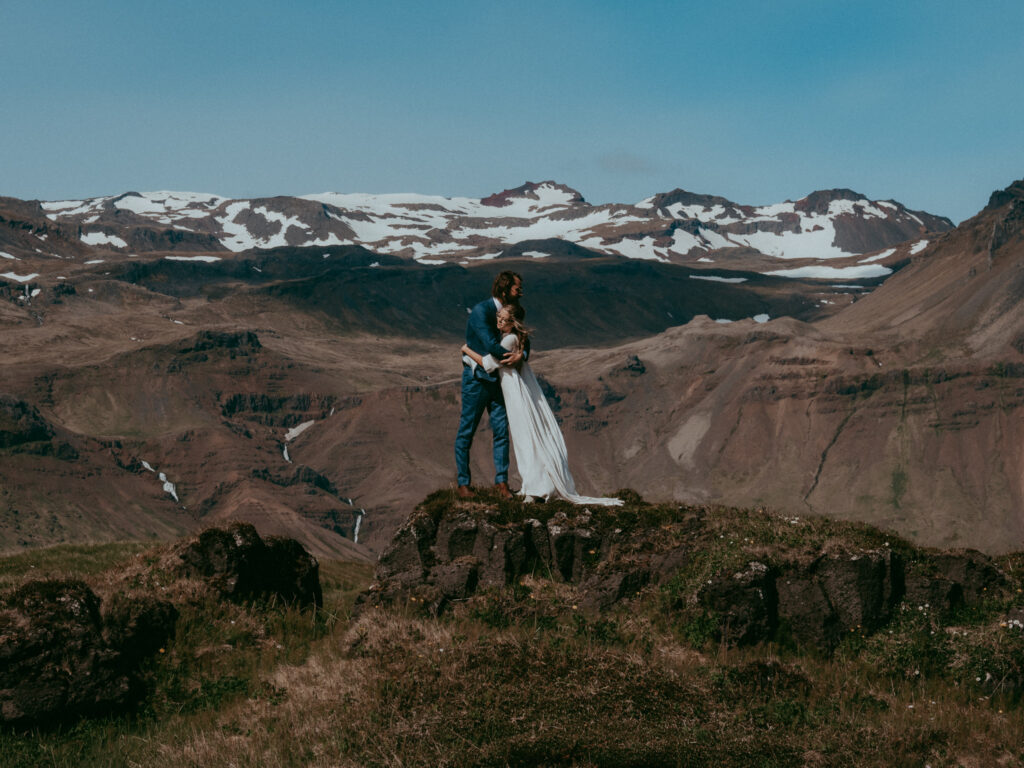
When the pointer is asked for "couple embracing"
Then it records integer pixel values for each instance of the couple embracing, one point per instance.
(497, 378)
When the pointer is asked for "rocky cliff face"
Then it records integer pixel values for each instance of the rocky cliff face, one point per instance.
(752, 575)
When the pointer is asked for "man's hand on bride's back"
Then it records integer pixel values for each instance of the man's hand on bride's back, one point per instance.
(512, 358)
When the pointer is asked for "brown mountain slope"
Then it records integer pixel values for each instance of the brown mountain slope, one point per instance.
(960, 295)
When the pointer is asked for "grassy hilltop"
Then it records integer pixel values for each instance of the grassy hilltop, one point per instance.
(527, 674)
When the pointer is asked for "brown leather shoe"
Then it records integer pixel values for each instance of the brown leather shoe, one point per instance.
(503, 490)
(464, 492)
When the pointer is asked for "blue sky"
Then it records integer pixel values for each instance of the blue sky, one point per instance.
(759, 102)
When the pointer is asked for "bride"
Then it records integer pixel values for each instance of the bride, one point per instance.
(536, 439)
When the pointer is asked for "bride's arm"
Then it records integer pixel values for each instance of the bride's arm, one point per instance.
(475, 356)
(488, 362)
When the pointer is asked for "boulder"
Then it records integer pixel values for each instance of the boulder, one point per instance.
(292, 573)
(950, 580)
(603, 590)
(837, 593)
(573, 550)
(862, 587)
(941, 594)
(455, 538)
(138, 626)
(61, 657)
(745, 604)
(539, 544)
(448, 552)
(402, 561)
(456, 580)
(242, 566)
(492, 552)
(805, 611)
(973, 571)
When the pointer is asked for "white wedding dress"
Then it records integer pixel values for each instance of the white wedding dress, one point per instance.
(536, 439)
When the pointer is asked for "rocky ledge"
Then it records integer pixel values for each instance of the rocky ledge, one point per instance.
(748, 575)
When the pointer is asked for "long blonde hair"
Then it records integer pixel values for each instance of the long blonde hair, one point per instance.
(516, 316)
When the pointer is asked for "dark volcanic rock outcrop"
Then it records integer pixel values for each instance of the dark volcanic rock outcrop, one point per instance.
(241, 565)
(837, 593)
(67, 653)
(24, 430)
(63, 654)
(664, 200)
(207, 340)
(451, 551)
(20, 423)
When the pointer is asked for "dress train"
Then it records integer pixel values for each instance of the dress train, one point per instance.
(536, 438)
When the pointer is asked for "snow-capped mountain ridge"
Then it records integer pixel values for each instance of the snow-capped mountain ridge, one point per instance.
(677, 226)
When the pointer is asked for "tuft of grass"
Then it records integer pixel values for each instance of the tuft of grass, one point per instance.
(898, 486)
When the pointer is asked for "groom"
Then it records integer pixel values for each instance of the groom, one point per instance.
(481, 390)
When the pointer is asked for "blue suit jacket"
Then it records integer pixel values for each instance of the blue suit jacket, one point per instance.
(483, 338)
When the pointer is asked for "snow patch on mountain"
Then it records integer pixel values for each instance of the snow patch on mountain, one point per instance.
(537, 229)
(239, 238)
(715, 240)
(19, 278)
(638, 249)
(392, 202)
(796, 245)
(878, 256)
(209, 259)
(168, 486)
(65, 208)
(719, 278)
(834, 273)
(294, 432)
(102, 238)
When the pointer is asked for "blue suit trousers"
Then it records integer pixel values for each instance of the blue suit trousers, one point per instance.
(479, 395)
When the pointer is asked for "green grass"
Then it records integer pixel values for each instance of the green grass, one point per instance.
(65, 560)
(898, 486)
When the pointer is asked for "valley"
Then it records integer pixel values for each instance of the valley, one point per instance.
(314, 391)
